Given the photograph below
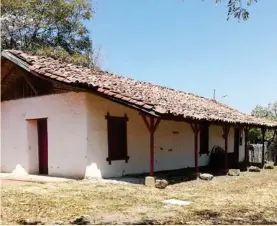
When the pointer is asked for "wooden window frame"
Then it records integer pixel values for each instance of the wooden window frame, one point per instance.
(111, 149)
(204, 130)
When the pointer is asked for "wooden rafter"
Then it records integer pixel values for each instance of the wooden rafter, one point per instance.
(156, 124)
(195, 127)
(226, 129)
(11, 69)
(30, 82)
(146, 122)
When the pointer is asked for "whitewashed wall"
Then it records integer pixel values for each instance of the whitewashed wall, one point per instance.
(241, 148)
(216, 139)
(174, 142)
(216, 133)
(77, 138)
(67, 143)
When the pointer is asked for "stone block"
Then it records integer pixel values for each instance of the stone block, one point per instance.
(234, 172)
(269, 165)
(150, 181)
(206, 176)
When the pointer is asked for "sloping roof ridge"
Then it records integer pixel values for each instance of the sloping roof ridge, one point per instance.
(141, 94)
(157, 85)
(108, 73)
(226, 106)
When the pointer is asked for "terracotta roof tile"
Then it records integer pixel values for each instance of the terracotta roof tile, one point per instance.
(147, 106)
(100, 90)
(126, 98)
(162, 100)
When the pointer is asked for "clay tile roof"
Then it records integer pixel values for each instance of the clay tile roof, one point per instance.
(158, 99)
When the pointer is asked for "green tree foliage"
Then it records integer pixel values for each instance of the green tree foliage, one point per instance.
(48, 26)
(238, 8)
(270, 112)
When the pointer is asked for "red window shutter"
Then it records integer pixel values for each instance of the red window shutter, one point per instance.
(117, 138)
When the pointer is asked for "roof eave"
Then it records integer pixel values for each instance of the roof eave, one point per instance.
(82, 87)
(93, 89)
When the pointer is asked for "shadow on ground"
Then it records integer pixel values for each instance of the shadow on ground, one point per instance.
(172, 176)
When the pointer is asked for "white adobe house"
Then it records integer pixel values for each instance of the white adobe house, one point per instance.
(63, 120)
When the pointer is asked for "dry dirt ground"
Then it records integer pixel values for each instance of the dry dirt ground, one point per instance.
(250, 198)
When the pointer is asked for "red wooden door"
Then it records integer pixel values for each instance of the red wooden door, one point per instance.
(42, 146)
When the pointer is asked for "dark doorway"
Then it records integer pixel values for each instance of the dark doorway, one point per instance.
(236, 145)
(42, 146)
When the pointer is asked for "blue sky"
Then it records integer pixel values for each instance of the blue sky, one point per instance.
(189, 45)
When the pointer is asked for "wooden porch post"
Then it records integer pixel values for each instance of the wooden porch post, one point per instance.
(151, 146)
(151, 126)
(195, 128)
(246, 152)
(263, 147)
(226, 129)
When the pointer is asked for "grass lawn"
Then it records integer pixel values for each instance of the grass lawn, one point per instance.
(250, 198)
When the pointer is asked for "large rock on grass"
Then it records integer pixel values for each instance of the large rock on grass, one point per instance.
(29, 222)
(206, 176)
(234, 172)
(80, 221)
(269, 165)
(161, 184)
(254, 169)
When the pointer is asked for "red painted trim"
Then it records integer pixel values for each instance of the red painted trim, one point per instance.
(152, 146)
(156, 124)
(152, 127)
(146, 122)
(196, 153)
(42, 146)
(195, 128)
(226, 129)
(192, 127)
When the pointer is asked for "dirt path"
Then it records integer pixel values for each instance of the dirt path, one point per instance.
(5, 182)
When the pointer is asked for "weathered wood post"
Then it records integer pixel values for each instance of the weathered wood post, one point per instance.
(263, 147)
(226, 129)
(195, 128)
(152, 127)
(246, 151)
